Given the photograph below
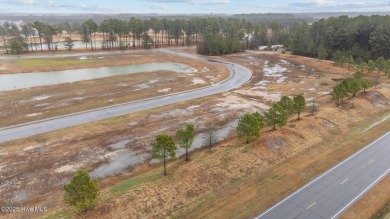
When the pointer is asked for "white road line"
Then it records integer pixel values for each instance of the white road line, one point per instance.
(358, 196)
(344, 181)
(370, 162)
(311, 205)
(363, 149)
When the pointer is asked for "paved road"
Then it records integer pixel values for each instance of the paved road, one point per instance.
(335, 191)
(239, 76)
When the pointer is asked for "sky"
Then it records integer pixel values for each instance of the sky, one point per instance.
(191, 6)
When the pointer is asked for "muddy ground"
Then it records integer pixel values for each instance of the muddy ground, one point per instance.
(34, 170)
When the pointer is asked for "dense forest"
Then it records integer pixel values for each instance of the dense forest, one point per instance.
(284, 20)
(361, 38)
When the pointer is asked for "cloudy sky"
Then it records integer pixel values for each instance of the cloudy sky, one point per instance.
(190, 6)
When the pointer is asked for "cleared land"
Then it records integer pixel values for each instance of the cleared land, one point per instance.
(236, 180)
(36, 103)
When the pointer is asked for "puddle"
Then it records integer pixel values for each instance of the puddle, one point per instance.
(119, 163)
(119, 145)
(200, 140)
(122, 159)
(20, 196)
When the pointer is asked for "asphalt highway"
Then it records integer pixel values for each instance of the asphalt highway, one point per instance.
(239, 76)
(332, 193)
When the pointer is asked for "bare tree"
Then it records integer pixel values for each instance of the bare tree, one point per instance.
(210, 132)
(210, 137)
(313, 106)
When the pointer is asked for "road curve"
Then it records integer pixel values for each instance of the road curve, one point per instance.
(329, 195)
(239, 76)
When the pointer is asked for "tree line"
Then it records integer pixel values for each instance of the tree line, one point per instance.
(362, 37)
(235, 34)
(250, 125)
(380, 64)
(350, 86)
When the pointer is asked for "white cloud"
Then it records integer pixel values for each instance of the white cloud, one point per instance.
(19, 2)
(210, 2)
(158, 7)
(338, 4)
(78, 7)
(194, 2)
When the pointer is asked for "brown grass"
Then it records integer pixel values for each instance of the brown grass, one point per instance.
(234, 181)
(239, 181)
(19, 106)
(372, 202)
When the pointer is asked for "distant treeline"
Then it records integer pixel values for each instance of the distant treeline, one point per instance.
(361, 37)
(266, 19)
(215, 36)
(284, 20)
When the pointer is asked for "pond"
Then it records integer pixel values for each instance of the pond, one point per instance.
(27, 80)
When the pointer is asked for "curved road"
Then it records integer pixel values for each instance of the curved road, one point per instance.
(239, 76)
(339, 188)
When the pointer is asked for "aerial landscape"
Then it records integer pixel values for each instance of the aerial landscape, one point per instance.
(195, 109)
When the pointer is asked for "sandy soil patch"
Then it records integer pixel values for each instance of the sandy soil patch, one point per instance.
(33, 114)
(164, 90)
(198, 81)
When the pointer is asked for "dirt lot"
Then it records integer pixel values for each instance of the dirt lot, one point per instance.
(235, 180)
(25, 105)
